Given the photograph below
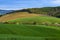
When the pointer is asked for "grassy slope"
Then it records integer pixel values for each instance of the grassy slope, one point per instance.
(38, 20)
(16, 15)
(26, 17)
(29, 31)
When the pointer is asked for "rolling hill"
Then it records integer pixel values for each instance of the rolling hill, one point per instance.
(31, 24)
(37, 20)
(16, 15)
(26, 17)
(50, 11)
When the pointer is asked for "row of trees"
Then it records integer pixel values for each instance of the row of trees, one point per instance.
(33, 23)
(0, 15)
(51, 11)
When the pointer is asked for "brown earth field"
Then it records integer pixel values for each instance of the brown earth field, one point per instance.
(13, 16)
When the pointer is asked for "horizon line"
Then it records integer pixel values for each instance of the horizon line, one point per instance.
(27, 8)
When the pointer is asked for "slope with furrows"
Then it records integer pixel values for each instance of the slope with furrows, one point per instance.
(16, 15)
(29, 32)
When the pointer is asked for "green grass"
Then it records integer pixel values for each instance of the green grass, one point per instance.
(29, 32)
(26, 31)
(38, 20)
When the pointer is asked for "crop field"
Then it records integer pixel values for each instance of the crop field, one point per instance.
(29, 32)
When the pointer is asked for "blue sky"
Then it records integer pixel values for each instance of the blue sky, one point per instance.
(20, 4)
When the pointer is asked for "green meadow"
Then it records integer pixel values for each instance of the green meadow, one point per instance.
(29, 32)
(38, 20)
(31, 24)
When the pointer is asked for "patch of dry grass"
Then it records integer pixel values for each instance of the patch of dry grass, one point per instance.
(17, 15)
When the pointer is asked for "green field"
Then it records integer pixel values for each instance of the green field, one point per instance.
(31, 24)
(31, 28)
(39, 20)
(29, 32)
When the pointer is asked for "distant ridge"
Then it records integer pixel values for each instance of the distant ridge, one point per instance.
(13, 14)
(2, 12)
(50, 11)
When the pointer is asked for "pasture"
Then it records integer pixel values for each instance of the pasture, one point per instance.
(29, 32)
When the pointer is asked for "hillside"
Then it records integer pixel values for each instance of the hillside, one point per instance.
(16, 15)
(37, 20)
(50, 11)
(31, 24)
(28, 16)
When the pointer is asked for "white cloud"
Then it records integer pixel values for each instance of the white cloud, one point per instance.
(55, 1)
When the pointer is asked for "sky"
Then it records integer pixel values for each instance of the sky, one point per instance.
(23, 4)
